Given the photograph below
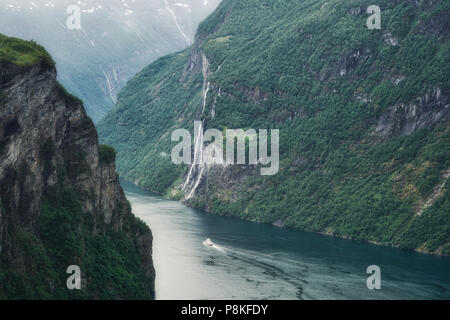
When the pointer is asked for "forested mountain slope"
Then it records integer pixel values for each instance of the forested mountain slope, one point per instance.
(363, 117)
(61, 203)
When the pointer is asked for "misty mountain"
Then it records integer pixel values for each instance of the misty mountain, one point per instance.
(116, 39)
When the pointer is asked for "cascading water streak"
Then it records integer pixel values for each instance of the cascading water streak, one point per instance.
(198, 164)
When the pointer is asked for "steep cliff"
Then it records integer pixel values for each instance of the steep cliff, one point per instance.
(363, 116)
(61, 201)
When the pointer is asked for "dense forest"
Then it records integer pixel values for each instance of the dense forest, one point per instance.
(363, 116)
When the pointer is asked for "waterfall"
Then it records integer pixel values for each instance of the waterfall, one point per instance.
(191, 194)
(198, 153)
(174, 17)
(204, 96)
(197, 166)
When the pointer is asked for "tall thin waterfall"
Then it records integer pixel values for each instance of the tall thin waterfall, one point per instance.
(198, 166)
(198, 154)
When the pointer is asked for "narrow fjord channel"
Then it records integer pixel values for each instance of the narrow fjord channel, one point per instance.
(257, 261)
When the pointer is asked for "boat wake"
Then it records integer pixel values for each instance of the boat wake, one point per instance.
(219, 248)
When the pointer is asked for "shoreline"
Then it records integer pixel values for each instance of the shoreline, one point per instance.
(279, 224)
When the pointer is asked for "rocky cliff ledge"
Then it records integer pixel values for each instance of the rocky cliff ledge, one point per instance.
(61, 201)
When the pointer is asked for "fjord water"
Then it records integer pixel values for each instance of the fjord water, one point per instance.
(258, 261)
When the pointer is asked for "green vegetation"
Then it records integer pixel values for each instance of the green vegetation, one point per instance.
(106, 154)
(431, 229)
(315, 71)
(41, 245)
(68, 95)
(109, 260)
(23, 53)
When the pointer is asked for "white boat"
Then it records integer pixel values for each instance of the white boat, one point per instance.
(208, 243)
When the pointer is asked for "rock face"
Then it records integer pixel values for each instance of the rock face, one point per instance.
(48, 145)
(404, 119)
